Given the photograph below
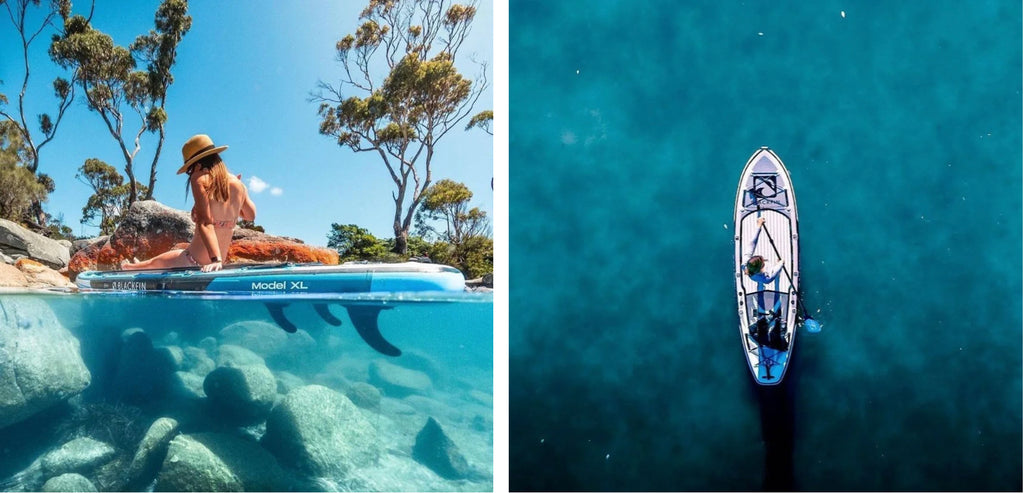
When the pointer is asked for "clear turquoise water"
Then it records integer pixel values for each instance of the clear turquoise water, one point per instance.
(449, 338)
(901, 126)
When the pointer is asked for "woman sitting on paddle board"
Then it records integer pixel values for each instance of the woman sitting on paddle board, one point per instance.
(755, 263)
(221, 199)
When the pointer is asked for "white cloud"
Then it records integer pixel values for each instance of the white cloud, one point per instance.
(257, 185)
(276, 191)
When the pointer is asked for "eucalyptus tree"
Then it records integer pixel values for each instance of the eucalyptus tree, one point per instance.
(448, 201)
(64, 90)
(401, 92)
(17, 11)
(115, 89)
(109, 200)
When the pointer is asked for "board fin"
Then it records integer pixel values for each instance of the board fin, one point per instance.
(365, 319)
(277, 313)
(325, 313)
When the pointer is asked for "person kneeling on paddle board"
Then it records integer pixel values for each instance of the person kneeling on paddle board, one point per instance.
(754, 264)
(221, 199)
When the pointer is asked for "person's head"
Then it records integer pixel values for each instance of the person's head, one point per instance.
(201, 155)
(754, 265)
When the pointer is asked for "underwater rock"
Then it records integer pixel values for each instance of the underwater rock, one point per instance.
(80, 455)
(197, 362)
(210, 345)
(398, 381)
(415, 359)
(41, 276)
(151, 452)
(243, 393)
(143, 372)
(11, 277)
(40, 360)
(17, 241)
(321, 432)
(262, 338)
(187, 385)
(435, 450)
(219, 462)
(231, 355)
(69, 482)
(269, 341)
(364, 395)
(286, 382)
(482, 397)
(174, 355)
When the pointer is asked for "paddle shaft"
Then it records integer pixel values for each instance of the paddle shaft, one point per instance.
(799, 299)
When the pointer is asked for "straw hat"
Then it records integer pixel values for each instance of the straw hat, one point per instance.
(196, 148)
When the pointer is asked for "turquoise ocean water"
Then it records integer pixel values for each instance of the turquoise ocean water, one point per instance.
(446, 340)
(900, 123)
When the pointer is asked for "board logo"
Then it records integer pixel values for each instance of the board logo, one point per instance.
(279, 286)
(128, 285)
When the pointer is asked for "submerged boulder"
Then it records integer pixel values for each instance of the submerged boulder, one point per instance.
(242, 393)
(70, 482)
(398, 381)
(219, 462)
(81, 455)
(321, 432)
(40, 360)
(151, 452)
(435, 450)
(143, 372)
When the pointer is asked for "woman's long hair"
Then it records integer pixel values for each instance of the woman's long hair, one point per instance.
(219, 187)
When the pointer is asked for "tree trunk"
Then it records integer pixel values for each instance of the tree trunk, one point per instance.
(152, 168)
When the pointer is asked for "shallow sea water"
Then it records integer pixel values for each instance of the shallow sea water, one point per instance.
(446, 338)
(900, 124)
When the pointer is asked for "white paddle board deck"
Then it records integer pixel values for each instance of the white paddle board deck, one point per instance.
(767, 310)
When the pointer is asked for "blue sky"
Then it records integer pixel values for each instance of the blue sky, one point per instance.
(243, 76)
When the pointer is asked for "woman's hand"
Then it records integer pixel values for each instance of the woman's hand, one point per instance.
(760, 222)
(213, 267)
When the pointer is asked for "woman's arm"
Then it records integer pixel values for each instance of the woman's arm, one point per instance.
(248, 211)
(204, 225)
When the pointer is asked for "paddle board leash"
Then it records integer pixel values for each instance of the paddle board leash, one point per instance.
(809, 322)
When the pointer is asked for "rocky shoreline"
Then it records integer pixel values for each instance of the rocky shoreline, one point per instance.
(30, 260)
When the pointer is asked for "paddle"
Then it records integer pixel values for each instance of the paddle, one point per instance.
(810, 323)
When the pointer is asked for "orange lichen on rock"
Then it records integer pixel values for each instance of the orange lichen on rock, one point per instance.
(279, 251)
(40, 275)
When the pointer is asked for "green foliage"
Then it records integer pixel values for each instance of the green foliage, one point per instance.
(464, 243)
(448, 201)
(56, 229)
(250, 225)
(483, 121)
(474, 257)
(19, 189)
(110, 198)
(404, 114)
(355, 243)
(19, 186)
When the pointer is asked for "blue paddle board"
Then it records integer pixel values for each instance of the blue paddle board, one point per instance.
(283, 279)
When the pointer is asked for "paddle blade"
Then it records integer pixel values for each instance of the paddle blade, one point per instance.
(812, 326)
